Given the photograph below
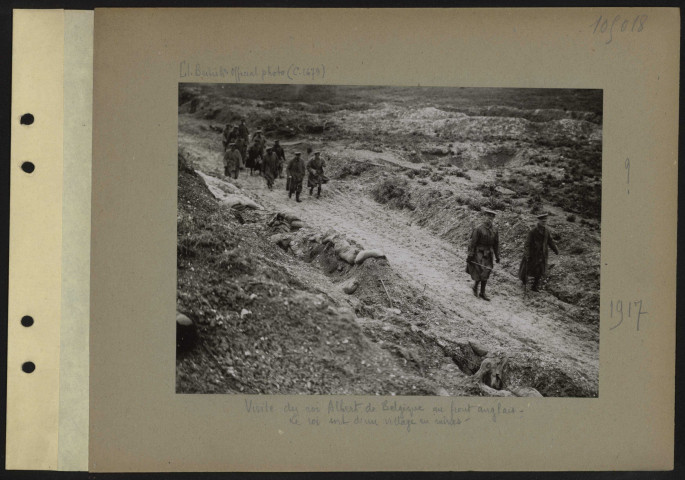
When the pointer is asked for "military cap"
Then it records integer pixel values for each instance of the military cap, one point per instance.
(489, 212)
(232, 144)
(317, 152)
(542, 215)
(298, 153)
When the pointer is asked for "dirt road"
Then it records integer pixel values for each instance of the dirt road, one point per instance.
(537, 324)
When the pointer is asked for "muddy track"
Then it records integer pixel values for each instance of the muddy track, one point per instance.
(537, 324)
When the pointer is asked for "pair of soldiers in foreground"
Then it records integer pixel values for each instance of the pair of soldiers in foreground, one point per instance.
(484, 247)
(296, 170)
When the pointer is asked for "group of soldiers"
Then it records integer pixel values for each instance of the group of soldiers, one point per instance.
(484, 247)
(242, 152)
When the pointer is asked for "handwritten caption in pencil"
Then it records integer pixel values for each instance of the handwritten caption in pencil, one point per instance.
(608, 27)
(236, 73)
(389, 413)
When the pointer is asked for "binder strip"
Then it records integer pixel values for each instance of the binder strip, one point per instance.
(33, 351)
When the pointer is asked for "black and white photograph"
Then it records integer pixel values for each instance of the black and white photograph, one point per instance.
(388, 240)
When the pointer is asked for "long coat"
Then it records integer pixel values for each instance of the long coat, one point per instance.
(270, 167)
(483, 247)
(254, 156)
(315, 169)
(232, 160)
(536, 252)
(296, 169)
(243, 131)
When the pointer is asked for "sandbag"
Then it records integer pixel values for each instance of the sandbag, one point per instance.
(329, 238)
(349, 255)
(350, 286)
(364, 254)
(340, 246)
(291, 217)
(234, 200)
(296, 225)
(282, 240)
(525, 392)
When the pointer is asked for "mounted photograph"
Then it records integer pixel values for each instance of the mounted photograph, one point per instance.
(386, 240)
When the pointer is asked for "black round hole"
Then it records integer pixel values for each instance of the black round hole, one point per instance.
(28, 167)
(27, 320)
(26, 119)
(28, 367)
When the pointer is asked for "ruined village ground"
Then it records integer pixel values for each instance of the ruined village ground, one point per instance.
(410, 170)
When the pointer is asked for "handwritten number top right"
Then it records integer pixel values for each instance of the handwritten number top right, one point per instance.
(607, 27)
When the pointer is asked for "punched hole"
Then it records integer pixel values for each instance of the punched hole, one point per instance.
(27, 320)
(26, 119)
(28, 167)
(28, 367)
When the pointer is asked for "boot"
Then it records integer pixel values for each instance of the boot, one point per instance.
(475, 289)
(297, 196)
(536, 284)
(482, 291)
(311, 190)
(318, 192)
(290, 194)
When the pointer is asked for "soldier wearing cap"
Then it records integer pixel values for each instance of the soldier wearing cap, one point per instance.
(270, 167)
(232, 161)
(259, 139)
(315, 170)
(295, 171)
(280, 154)
(483, 247)
(243, 131)
(254, 157)
(536, 252)
(230, 135)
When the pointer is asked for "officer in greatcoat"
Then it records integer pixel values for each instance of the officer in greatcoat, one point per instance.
(536, 253)
(484, 247)
(295, 171)
(270, 170)
(315, 177)
(232, 161)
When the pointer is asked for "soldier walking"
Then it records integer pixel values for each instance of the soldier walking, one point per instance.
(315, 177)
(254, 158)
(243, 131)
(232, 161)
(270, 167)
(295, 171)
(280, 154)
(536, 252)
(483, 247)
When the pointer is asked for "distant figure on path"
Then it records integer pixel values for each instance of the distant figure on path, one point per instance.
(232, 136)
(254, 158)
(225, 134)
(483, 247)
(270, 170)
(232, 161)
(295, 171)
(280, 154)
(241, 145)
(536, 252)
(316, 176)
(243, 131)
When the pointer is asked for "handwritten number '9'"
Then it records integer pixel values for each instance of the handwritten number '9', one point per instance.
(627, 165)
